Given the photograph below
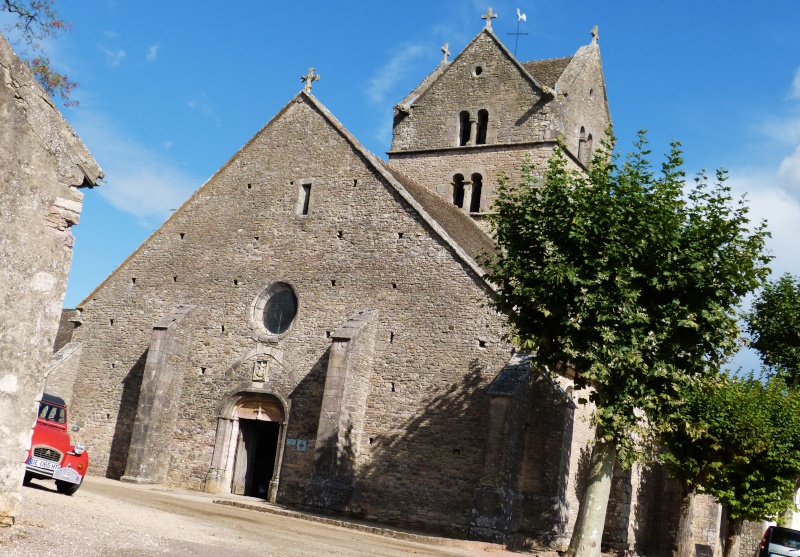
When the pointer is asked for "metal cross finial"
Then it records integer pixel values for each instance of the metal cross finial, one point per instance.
(309, 79)
(489, 16)
(446, 51)
(595, 35)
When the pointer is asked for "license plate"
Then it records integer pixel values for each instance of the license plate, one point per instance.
(45, 464)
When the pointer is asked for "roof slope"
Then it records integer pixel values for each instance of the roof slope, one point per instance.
(547, 71)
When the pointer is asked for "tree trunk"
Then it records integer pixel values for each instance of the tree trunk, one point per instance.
(588, 532)
(733, 537)
(684, 544)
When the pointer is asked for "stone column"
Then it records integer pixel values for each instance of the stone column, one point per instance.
(473, 131)
(159, 398)
(341, 419)
(218, 478)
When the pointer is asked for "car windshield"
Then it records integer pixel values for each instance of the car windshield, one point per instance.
(52, 413)
(786, 538)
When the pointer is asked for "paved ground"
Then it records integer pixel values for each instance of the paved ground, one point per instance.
(106, 518)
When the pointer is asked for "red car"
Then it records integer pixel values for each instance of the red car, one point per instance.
(51, 455)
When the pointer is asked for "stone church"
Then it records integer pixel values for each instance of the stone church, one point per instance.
(313, 327)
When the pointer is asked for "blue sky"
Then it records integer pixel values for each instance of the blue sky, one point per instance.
(170, 90)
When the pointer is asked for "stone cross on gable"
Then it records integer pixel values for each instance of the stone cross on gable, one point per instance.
(309, 79)
(445, 51)
(489, 16)
(595, 34)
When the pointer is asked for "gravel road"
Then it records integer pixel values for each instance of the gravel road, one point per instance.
(108, 518)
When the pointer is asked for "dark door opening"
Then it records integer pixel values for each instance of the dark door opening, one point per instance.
(255, 457)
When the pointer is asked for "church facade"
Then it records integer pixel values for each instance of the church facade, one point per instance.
(313, 325)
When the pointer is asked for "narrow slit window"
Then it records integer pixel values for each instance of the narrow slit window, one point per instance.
(483, 125)
(582, 144)
(458, 190)
(477, 186)
(305, 198)
(588, 149)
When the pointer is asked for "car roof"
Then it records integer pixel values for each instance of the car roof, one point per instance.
(53, 399)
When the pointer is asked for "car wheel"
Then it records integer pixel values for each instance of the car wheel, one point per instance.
(27, 479)
(66, 488)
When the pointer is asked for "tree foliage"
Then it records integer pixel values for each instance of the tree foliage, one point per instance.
(37, 20)
(741, 443)
(624, 277)
(774, 327)
(739, 440)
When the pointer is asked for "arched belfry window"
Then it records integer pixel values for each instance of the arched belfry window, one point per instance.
(463, 128)
(458, 190)
(582, 144)
(483, 126)
(477, 186)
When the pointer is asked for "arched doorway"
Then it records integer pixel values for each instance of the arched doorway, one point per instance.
(257, 446)
(251, 433)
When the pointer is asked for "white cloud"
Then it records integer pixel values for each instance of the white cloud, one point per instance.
(795, 94)
(110, 35)
(152, 52)
(113, 57)
(399, 65)
(138, 181)
(200, 103)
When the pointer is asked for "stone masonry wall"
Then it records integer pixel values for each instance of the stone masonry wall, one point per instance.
(39, 201)
(360, 247)
(481, 77)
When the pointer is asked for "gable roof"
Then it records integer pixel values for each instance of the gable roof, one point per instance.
(434, 76)
(467, 241)
(548, 71)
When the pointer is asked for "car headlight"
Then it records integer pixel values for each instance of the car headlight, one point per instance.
(79, 448)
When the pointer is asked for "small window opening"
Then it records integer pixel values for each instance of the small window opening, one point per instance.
(236, 282)
(305, 198)
(255, 238)
(174, 278)
(182, 235)
(202, 371)
(477, 186)
(458, 190)
(113, 365)
(327, 334)
(339, 234)
(478, 70)
(582, 144)
(483, 125)
(400, 235)
(391, 337)
(108, 416)
(463, 128)
(111, 322)
(355, 182)
(589, 149)
(482, 343)
(249, 186)
(333, 282)
(591, 93)
(391, 385)
(222, 329)
(394, 285)
(133, 280)
(371, 440)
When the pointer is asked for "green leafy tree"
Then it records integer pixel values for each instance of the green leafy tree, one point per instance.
(618, 275)
(37, 20)
(739, 440)
(774, 327)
